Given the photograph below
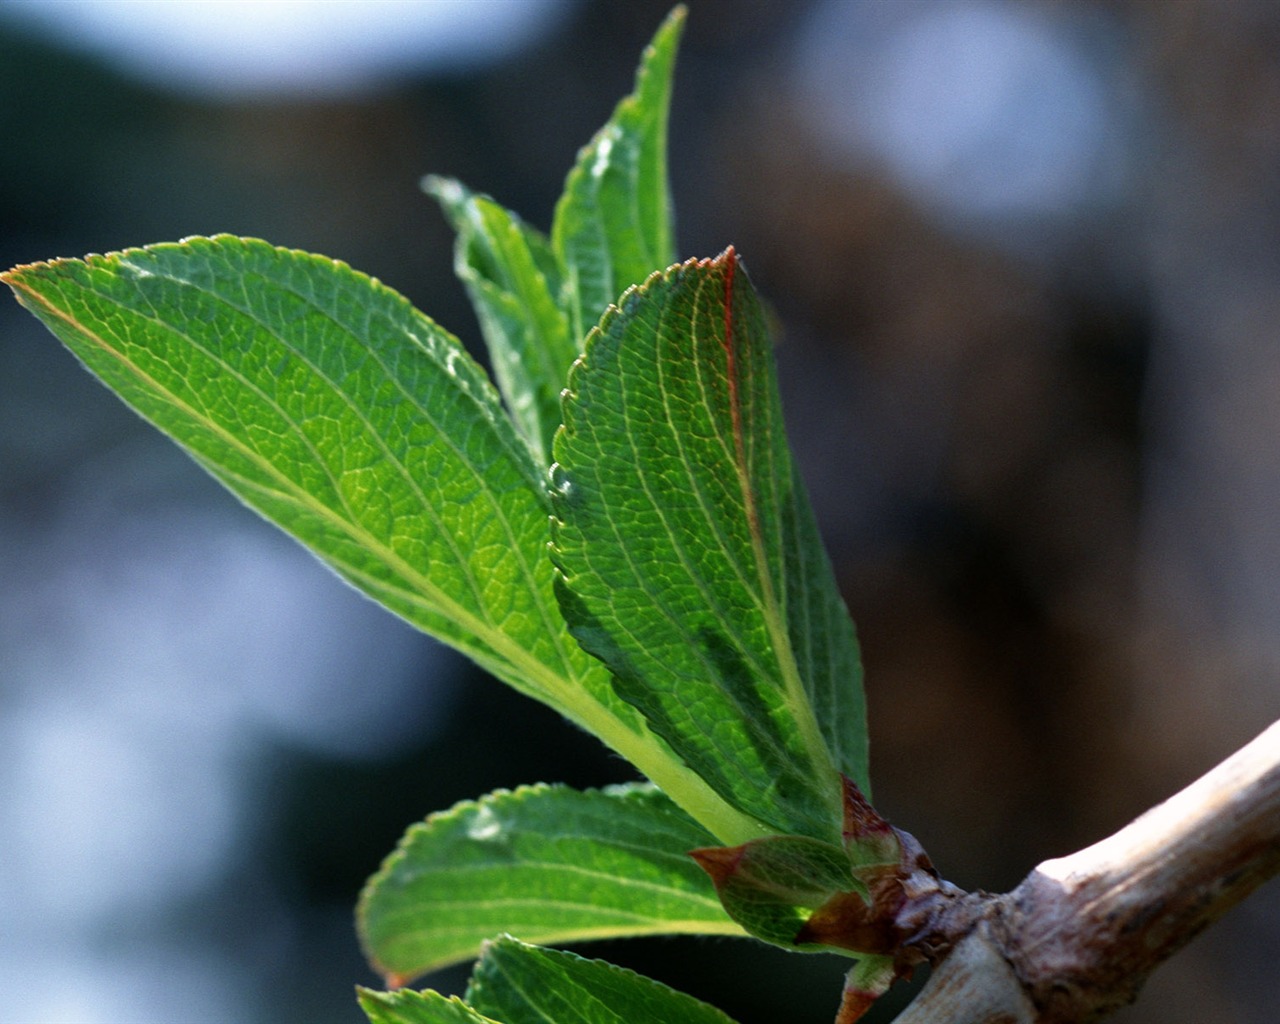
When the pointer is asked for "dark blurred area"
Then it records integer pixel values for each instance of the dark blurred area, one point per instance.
(1024, 259)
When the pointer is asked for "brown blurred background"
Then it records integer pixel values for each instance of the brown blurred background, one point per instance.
(1024, 261)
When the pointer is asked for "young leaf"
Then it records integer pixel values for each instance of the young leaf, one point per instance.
(690, 561)
(613, 224)
(408, 1007)
(548, 863)
(328, 403)
(521, 984)
(514, 283)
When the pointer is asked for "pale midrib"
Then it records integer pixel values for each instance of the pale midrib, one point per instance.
(611, 921)
(465, 946)
(457, 917)
(274, 405)
(614, 881)
(372, 432)
(433, 603)
(549, 623)
(464, 935)
(516, 656)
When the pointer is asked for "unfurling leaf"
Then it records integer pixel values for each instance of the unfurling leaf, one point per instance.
(613, 224)
(514, 281)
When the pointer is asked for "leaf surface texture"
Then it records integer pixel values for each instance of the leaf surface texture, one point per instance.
(548, 863)
(691, 564)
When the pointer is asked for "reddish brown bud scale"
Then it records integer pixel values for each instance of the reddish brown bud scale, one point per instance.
(846, 921)
(860, 818)
(718, 861)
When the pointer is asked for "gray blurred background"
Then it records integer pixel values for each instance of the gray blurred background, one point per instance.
(1024, 257)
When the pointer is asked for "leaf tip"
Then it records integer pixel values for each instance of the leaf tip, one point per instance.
(720, 862)
(14, 276)
(672, 26)
(432, 183)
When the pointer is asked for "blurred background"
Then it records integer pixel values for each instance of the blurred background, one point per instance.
(1025, 257)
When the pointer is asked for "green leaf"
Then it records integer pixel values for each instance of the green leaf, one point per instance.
(613, 225)
(328, 403)
(521, 984)
(548, 863)
(514, 283)
(405, 1006)
(690, 561)
(517, 983)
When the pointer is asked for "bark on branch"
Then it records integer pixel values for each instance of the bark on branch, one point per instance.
(1077, 939)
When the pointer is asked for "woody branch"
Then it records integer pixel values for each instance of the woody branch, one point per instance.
(1079, 936)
